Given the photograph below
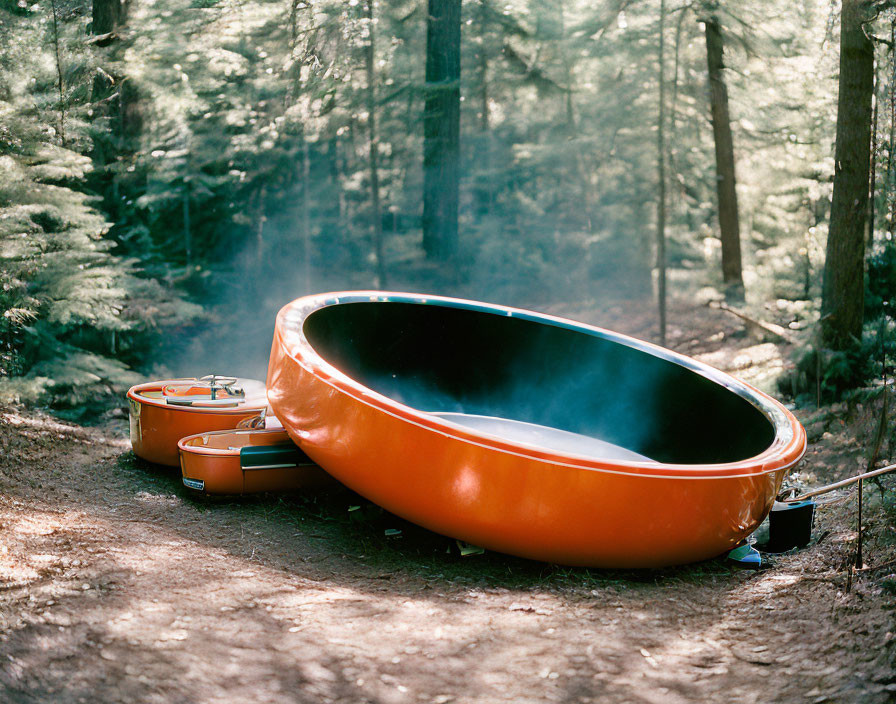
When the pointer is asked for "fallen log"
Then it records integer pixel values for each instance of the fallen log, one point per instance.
(771, 328)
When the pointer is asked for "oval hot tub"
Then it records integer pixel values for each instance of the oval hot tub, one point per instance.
(525, 433)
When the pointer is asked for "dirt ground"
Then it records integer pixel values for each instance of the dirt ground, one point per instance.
(118, 586)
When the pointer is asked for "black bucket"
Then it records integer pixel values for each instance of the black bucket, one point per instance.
(789, 526)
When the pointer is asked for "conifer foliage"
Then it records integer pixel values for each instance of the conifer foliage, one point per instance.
(169, 162)
(73, 309)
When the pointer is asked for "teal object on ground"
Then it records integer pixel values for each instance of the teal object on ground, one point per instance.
(746, 556)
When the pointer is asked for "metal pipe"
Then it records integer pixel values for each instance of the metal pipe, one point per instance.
(836, 485)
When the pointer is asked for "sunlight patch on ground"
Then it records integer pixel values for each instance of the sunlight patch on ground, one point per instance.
(43, 424)
(758, 365)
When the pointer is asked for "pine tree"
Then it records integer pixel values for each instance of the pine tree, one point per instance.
(729, 216)
(75, 313)
(441, 130)
(843, 293)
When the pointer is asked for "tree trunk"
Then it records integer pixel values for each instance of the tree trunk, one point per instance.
(729, 220)
(842, 306)
(188, 233)
(375, 205)
(441, 131)
(111, 96)
(58, 74)
(260, 220)
(306, 213)
(567, 73)
(673, 113)
(484, 193)
(130, 116)
(106, 16)
(661, 182)
(581, 173)
(872, 189)
(335, 171)
(891, 162)
(482, 61)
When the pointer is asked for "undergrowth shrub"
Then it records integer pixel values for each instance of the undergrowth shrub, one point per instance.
(823, 376)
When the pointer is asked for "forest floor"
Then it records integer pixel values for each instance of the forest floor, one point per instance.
(118, 586)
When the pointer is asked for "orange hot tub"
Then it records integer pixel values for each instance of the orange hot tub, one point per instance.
(162, 412)
(526, 433)
(246, 462)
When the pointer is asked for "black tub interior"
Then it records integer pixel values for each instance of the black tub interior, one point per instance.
(438, 358)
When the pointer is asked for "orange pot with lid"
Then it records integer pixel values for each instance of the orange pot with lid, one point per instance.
(163, 412)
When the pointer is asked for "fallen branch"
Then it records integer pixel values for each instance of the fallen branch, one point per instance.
(101, 39)
(770, 328)
(881, 566)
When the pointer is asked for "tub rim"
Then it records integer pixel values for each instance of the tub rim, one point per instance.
(183, 445)
(785, 450)
(248, 405)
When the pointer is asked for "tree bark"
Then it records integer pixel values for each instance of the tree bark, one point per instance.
(335, 172)
(188, 232)
(842, 306)
(110, 94)
(673, 113)
(106, 16)
(482, 61)
(483, 187)
(306, 213)
(260, 220)
(729, 219)
(441, 131)
(581, 173)
(567, 74)
(891, 162)
(661, 181)
(375, 204)
(59, 84)
(872, 187)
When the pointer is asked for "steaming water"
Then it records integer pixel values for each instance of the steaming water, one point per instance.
(543, 437)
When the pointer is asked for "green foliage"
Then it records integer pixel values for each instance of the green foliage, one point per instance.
(880, 289)
(828, 376)
(218, 153)
(70, 304)
(889, 505)
(823, 375)
(558, 147)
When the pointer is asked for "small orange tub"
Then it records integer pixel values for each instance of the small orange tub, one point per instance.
(247, 462)
(162, 412)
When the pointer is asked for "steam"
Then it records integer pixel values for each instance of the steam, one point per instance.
(571, 399)
(544, 437)
(243, 292)
(439, 360)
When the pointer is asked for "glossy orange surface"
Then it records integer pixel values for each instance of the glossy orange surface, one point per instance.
(214, 460)
(156, 426)
(513, 497)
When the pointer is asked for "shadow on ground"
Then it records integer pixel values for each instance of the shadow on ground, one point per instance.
(118, 585)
